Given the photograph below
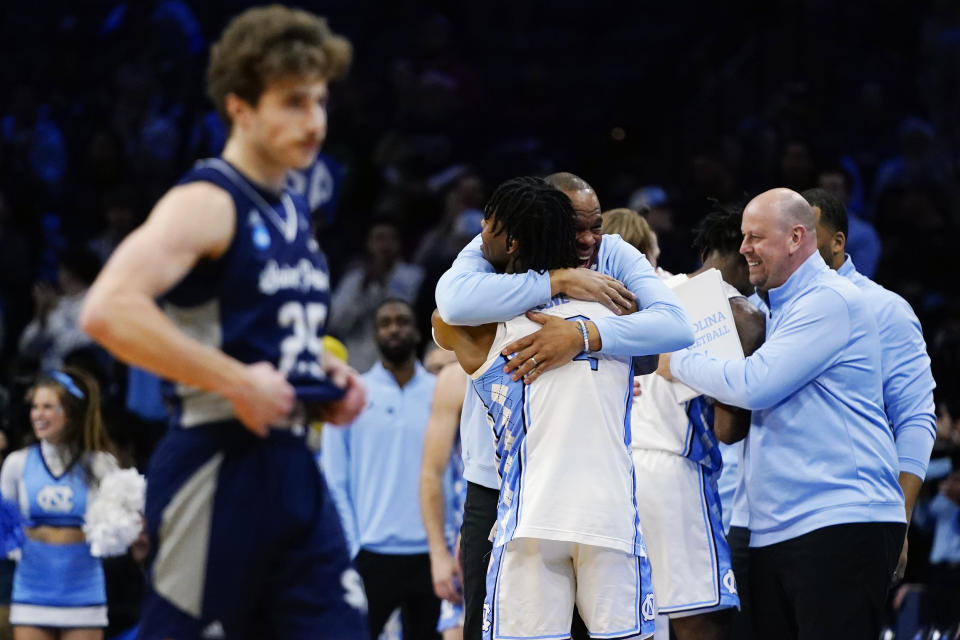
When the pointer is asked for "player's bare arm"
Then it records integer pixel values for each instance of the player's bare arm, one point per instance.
(192, 222)
(438, 442)
(730, 424)
(471, 344)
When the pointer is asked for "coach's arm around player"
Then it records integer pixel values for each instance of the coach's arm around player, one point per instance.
(610, 272)
(508, 295)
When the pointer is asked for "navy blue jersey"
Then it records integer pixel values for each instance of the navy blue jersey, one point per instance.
(266, 298)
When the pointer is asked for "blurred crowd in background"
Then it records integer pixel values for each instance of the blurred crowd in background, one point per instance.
(662, 107)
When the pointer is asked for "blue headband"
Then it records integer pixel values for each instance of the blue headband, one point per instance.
(67, 383)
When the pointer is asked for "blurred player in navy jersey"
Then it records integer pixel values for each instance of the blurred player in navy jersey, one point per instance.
(245, 540)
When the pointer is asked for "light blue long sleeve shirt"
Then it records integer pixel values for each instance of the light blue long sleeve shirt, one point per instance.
(471, 293)
(373, 466)
(819, 451)
(907, 381)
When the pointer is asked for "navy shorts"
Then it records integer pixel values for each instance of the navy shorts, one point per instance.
(245, 541)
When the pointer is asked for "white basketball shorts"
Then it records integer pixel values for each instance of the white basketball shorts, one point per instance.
(532, 586)
(680, 514)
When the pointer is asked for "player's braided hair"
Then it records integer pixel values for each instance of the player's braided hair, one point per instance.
(540, 218)
(718, 231)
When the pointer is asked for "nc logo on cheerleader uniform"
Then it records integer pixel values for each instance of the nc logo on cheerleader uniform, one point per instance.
(648, 609)
(55, 499)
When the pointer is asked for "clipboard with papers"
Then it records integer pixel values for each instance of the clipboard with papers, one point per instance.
(715, 334)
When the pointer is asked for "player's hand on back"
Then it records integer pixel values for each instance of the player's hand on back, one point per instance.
(592, 286)
(263, 399)
(552, 346)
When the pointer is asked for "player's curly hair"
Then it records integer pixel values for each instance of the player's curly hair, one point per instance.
(265, 43)
(719, 230)
(540, 218)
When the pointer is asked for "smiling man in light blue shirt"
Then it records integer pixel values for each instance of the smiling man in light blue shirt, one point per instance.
(826, 512)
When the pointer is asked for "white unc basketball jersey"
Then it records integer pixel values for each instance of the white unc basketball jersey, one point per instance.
(563, 442)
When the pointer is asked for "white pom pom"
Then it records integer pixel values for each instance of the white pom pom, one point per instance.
(114, 518)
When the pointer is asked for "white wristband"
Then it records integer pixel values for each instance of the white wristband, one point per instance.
(586, 338)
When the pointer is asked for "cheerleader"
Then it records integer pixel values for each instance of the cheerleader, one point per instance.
(58, 586)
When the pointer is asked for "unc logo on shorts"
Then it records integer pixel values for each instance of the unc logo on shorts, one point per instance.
(353, 592)
(730, 582)
(55, 499)
(486, 617)
(648, 609)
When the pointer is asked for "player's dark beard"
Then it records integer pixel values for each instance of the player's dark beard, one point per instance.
(397, 351)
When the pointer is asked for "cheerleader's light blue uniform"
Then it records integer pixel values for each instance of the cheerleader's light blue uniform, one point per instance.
(56, 585)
